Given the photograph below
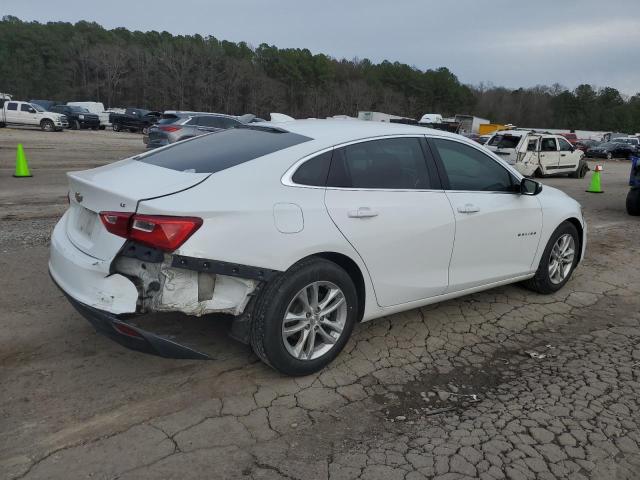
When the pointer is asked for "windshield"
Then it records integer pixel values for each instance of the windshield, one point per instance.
(38, 107)
(79, 109)
(505, 141)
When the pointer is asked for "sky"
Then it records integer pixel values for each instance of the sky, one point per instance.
(509, 43)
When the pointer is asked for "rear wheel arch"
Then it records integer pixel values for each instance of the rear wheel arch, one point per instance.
(352, 269)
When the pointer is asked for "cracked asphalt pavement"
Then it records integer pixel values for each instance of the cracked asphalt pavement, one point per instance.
(500, 384)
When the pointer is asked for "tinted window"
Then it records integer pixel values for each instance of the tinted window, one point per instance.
(564, 145)
(26, 108)
(314, 171)
(168, 119)
(505, 141)
(218, 151)
(396, 163)
(216, 122)
(469, 169)
(532, 146)
(12, 106)
(548, 145)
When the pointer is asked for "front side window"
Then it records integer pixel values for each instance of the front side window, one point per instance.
(548, 145)
(564, 145)
(25, 107)
(314, 171)
(393, 163)
(471, 170)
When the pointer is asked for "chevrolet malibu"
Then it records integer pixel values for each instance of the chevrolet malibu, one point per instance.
(301, 229)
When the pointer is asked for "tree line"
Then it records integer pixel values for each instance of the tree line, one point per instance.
(159, 71)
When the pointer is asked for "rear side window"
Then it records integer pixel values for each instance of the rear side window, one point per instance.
(314, 171)
(216, 122)
(221, 150)
(12, 106)
(548, 145)
(505, 141)
(394, 163)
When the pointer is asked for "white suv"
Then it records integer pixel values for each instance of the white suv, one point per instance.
(302, 228)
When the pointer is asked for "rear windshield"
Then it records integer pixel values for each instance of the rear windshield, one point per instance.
(168, 119)
(504, 141)
(221, 150)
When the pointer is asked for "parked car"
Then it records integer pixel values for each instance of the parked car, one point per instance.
(572, 138)
(78, 117)
(134, 120)
(633, 197)
(173, 127)
(538, 154)
(14, 112)
(586, 144)
(611, 150)
(301, 229)
(96, 108)
(629, 140)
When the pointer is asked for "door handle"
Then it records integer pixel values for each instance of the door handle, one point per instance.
(468, 208)
(563, 154)
(362, 212)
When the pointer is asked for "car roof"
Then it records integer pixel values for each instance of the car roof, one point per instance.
(336, 131)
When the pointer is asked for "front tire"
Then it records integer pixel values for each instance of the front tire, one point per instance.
(633, 202)
(304, 317)
(47, 126)
(116, 127)
(609, 155)
(558, 261)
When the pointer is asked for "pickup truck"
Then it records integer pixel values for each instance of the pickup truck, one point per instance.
(78, 117)
(13, 112)
(134, 120)
(539, 154)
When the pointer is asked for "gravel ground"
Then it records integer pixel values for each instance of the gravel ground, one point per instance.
(500, 384)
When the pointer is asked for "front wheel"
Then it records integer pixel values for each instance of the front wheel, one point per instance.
(609, 156)
(304, 317)
(633, 202)
(116, 127)
(558, 261)
(47, 126)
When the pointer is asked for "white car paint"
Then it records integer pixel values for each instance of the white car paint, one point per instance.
(420, 247)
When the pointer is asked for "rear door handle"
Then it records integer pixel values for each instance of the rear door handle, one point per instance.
(362, 212)
(468, 208)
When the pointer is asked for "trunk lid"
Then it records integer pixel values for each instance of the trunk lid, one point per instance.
(116, 187)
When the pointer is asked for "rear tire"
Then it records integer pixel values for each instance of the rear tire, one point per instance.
(282, 296)
(543, 281)
(538, 173)
(102, 127)
(633, 202)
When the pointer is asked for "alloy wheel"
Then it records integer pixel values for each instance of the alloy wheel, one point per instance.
(314, 320)
(561, 258)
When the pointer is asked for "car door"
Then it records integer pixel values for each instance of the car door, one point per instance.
(569, 156)
(384, 196)
(549, 154)
(12, 112)
(497, 228)
(28, 114)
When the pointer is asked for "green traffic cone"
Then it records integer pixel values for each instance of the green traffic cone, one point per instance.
(22, 169)
(595, 186)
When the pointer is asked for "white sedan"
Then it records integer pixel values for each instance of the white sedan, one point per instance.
(301, 229)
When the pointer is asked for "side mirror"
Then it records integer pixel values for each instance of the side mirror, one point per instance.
(530, 187)
(32, 110)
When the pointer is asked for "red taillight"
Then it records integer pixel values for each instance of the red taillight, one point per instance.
(169, 128)
(116, 222)
(159, 231)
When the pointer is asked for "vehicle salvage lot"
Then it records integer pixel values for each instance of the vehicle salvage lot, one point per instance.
(556, 378)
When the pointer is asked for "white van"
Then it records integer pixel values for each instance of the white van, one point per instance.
(538, 154)
(97, 108)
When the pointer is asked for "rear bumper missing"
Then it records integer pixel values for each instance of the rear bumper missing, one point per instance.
(133, 337)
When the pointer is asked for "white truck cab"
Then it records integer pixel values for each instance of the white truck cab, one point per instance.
(14, 112)
(539, 154)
